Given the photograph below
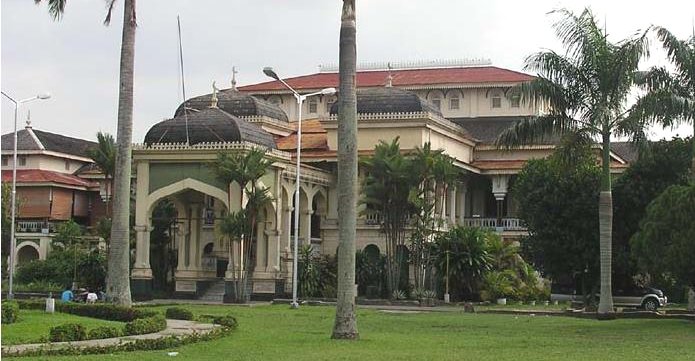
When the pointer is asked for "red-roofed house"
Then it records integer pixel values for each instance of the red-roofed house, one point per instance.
(53, 185)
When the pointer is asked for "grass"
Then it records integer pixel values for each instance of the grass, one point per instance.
(33, 326)
(276, 333)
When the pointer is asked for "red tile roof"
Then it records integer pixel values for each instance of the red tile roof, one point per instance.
(45, 176)
(408, 77)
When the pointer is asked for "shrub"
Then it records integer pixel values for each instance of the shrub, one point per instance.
(10, 311)
(227, 321)
(145, 325)
(101, 311)
(67, 332)
(39, 286)
(398, 295)
(179, 313)
(58, 268)
(104, 332)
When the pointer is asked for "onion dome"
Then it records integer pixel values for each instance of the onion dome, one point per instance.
(210, 124)
(237, 104)
(389, 100)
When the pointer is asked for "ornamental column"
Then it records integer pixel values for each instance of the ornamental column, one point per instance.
(463, 190)
(500, 183)
(451, 203)
(141, 267)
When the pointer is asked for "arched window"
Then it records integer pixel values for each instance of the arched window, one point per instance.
(437, 101)
(496, 99)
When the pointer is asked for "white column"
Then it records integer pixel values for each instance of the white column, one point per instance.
(500, 183)
(451, 203)
(142, 251)
(194, 238)
(261, 246)
(463, 191)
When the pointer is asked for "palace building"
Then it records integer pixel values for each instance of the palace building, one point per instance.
(460, 107)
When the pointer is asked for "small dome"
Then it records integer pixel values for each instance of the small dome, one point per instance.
(208, 125)
(237, 104)
(389, 100)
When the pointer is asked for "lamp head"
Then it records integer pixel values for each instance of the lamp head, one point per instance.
(44, 95)
(328, 91)
(268, 71)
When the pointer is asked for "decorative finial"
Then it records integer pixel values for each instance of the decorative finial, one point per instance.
(234, 78)
(389, 78)
(28, 119)
(213, 103)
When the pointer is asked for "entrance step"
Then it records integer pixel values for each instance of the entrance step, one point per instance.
(215, 293)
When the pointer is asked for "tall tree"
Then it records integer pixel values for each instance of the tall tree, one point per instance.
(104, 155)
(389, 178)
(245, 169)
(118, 280)
(584, 92)
(345, 326)
(670, 97)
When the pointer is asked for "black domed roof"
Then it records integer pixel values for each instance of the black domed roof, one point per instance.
(389, 100)
(208, 125)
(236, 103)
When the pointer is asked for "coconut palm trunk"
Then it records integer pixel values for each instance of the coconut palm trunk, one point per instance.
(118, 281)
(605, 215)
(345, 323)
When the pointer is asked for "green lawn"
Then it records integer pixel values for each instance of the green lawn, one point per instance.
(278, 333)
(33, 325)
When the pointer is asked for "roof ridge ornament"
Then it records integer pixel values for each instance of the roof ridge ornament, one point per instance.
(407, 65)
(234, 71)
(213, 103)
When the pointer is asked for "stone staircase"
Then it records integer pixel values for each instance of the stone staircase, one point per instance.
(215, 293)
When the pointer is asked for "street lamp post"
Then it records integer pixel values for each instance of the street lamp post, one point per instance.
(10, 293)
(300, 99)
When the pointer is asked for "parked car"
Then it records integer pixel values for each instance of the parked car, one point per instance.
(646, 298)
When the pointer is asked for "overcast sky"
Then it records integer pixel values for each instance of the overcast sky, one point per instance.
(76, 59)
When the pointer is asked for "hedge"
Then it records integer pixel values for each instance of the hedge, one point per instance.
(104, 332)
(67, 332)
(100, 310)
(10, 311)
(178, 313)
(145, 325)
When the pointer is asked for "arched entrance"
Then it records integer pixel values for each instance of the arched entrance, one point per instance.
(27, 253)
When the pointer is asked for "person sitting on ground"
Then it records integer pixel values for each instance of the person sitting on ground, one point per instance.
(67, 295)
(91, 297)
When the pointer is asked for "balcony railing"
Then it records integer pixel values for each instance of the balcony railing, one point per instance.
(508, 224)
(36, 227)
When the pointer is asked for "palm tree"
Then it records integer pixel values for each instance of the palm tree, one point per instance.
(386, 186)
(104, 156)
(245, 169)
(118, 280)
(345, 326)
(434, 172)
(584, 92)
(670, 98)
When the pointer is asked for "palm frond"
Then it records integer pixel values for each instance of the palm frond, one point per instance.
(56, 8)
(536, 129)
(679, 52)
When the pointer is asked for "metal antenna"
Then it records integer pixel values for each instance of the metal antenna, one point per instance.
(183, 81)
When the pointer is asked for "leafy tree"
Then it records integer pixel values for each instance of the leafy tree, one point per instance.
(557, 202)
(665, 243)
(660, 165)
(67, 235)
(387, 184)
(345, 326)
(119, 250)
(584, 92)
(317, 274)
(469, 259)
(670, 97)
(162, 257)
(245, 169)
(370, 271)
